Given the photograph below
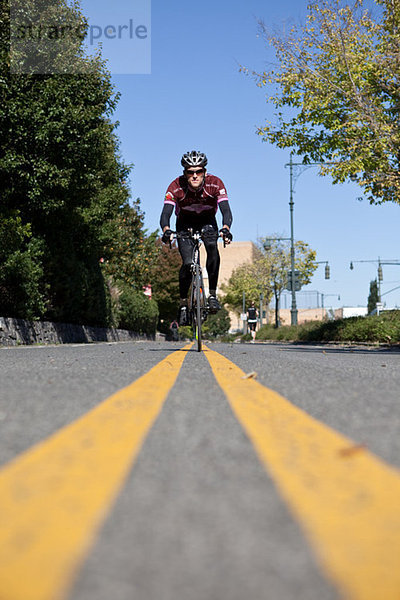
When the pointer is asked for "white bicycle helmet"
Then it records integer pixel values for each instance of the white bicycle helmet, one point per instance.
(194, 159)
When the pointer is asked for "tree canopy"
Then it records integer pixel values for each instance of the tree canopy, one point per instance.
(336, 93)
(164, 279)
(244, 279)
(68, 231)
(373, 296)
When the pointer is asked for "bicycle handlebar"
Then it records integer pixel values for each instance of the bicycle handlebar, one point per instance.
(191, 234)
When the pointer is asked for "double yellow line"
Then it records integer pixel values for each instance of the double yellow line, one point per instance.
(346, 500)
(54, 498)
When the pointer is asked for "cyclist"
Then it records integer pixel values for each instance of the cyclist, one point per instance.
(196, 196)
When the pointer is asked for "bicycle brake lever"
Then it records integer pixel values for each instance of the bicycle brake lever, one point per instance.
(171, 239)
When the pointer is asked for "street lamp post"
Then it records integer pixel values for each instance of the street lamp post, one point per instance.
(293, 311)
(295, 170)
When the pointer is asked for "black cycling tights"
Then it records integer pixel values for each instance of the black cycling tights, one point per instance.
(212, 264)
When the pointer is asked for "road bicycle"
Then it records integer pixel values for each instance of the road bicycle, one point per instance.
(197, 307)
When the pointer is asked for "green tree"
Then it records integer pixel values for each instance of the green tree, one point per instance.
(128, 255)
(373, 297)
(129, 252)
(276, 263)
(245, 278)
(61, 172)
(336, 94)
(21, 276)
(164, 279)
(46, 37)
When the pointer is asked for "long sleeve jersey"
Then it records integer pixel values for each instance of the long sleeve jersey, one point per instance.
(189, 203)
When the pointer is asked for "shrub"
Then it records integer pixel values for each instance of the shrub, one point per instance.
(217, 325)
(384, 328)
(136, 312)
(22, 290)
(185, 332)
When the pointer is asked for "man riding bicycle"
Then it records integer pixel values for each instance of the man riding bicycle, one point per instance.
(196, 196)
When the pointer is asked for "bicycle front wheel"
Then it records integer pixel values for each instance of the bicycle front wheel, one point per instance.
(197, 308)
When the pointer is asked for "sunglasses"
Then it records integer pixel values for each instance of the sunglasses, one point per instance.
(194, 171)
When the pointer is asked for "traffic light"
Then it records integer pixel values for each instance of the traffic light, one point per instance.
(380, 273)
(327, 272)
(297, 285)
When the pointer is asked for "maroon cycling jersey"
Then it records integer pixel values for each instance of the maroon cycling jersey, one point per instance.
(189, 202)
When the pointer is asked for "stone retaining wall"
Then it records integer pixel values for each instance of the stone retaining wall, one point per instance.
(14, 332)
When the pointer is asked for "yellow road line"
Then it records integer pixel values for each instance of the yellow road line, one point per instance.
(346, 499)
(54, 497)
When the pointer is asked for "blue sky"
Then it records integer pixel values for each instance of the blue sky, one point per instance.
(195, 98)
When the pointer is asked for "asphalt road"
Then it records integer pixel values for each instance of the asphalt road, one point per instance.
(199, 517)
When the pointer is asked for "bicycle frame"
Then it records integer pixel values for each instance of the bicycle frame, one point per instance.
(198, 309)
(197, 303)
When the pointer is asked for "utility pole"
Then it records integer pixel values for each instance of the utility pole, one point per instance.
(295, 170)
(293, 310)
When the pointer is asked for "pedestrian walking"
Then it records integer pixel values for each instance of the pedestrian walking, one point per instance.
(252, 316)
